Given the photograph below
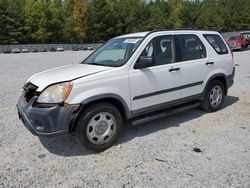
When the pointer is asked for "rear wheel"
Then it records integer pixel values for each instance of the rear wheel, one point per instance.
(99, 126)
(214, 96)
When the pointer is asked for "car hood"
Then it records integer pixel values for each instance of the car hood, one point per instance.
(65, 73)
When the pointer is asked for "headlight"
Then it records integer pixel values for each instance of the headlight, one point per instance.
(56, 93)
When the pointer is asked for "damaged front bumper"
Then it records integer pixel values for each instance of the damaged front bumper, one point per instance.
(45, 121)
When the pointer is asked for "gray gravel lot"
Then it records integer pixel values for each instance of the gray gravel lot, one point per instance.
(158, 154)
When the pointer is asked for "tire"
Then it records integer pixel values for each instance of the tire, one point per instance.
(211, 101)
(98, 126)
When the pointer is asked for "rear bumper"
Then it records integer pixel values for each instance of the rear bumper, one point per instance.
(230, 79)
(50, 121)
(236, 48)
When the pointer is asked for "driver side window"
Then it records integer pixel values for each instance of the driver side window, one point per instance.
(161, 50)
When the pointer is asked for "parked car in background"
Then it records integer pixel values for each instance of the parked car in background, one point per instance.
(7, 51)
(34, 50)
(52, 49)
(75, 48)
(16, 50)
(43, 50)
(246, 36)
(25, 50)
(59, 49)
(158, 73)
(85, 48)
(237, 42)
(90, 48)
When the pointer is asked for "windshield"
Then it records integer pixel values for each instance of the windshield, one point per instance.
(235, 38)
(114, 53)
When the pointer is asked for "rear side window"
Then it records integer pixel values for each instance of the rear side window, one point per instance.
(189, 47)
(217, 43)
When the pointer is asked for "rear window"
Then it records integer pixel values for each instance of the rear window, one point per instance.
(235, 38)
(217, 43)
(189, 47)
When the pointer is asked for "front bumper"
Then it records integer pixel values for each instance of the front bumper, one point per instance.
(50, 121)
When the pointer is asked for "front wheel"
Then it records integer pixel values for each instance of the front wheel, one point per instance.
(214, 96)
(99, 126)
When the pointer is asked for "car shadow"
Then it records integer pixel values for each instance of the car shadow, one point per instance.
(67, 146)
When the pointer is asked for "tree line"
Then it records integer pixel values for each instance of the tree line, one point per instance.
(78, 21)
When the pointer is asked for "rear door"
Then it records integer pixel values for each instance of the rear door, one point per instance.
(221, 56)
(195, 64)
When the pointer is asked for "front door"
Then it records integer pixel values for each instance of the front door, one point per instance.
(155, 86)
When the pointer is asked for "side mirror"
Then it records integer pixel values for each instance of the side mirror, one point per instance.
(144, 62)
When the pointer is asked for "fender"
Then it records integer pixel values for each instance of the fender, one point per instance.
(109, 96)
(213, 77)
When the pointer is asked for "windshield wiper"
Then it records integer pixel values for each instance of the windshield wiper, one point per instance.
(99, 64)
(96, 64)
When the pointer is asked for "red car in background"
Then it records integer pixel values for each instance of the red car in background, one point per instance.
(237, 43)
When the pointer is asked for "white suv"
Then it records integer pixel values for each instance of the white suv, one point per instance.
(137, 77)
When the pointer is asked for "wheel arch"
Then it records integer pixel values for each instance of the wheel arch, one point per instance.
(219, 76)
(111, 98)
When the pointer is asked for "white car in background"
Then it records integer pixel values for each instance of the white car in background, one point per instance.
(59, 49)
(137, 77)
(25, 50)
(16, 50)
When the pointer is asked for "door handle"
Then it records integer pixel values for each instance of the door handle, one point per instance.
(209, 63)
(174, 69)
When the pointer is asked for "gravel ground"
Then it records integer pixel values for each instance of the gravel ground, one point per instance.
(190, 149)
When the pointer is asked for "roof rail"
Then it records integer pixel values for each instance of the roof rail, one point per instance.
(180, 29)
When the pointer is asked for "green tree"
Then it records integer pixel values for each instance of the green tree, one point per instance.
(98, 20)
(36, 22)
(80, 19)
(15, 21)
(210, 17)
(177, 7)
(235, 14)
(127, 16)
(191, 13)
(55, 20)
(4, 23)
(68, 19)
(159, 15)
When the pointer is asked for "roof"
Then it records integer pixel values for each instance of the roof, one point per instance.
(140, 34)
(143, 34)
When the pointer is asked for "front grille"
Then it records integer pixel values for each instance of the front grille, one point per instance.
(232, 44)
(29, 91)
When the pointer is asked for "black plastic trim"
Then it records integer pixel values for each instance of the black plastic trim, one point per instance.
(112, 96)
(167, 90)
(168, 104)
(163, 113)
(213, 77)
(230, 79)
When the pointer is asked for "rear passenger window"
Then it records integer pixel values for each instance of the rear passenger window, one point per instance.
(189, 47)
(217, 43)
